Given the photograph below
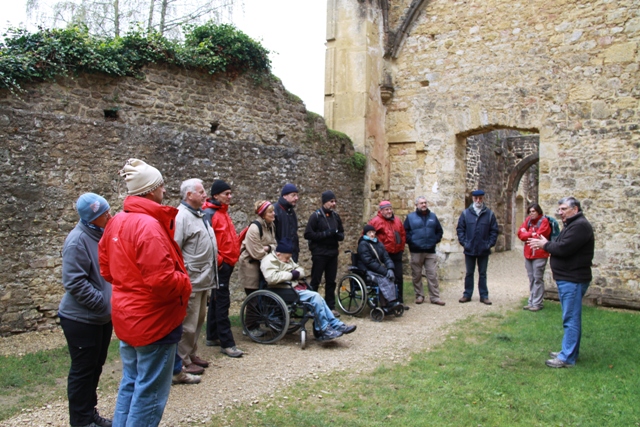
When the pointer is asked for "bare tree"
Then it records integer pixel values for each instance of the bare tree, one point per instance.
(113, 17)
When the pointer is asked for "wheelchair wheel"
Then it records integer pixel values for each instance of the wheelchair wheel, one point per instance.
(351, 294)
(303, 339)
(265, 317)
(398, 310)
(377, 314)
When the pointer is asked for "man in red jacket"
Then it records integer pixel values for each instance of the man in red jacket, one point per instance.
(216, 210)
(151, 289)
(390, 231)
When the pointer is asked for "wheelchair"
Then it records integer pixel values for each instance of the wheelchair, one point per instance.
(355, 290)
(267, 315)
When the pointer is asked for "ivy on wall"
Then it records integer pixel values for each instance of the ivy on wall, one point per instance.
(49, 53)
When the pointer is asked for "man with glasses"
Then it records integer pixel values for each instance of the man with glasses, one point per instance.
(571, 258)
(477, 232)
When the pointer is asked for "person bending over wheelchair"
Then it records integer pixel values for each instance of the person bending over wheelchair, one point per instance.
(279, 269)
(374, 259)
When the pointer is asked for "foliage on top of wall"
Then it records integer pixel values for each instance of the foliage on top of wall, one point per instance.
(357, 162)
(49, 53)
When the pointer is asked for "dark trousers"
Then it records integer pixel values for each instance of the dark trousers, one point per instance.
(470, 263)
(329, 266)
(218, 323)
(88, 347)
(397, 270)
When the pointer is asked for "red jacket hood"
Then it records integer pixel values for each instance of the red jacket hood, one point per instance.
(166, 215)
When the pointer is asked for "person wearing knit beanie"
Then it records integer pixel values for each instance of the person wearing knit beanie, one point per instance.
(286, 218)
(90, 206)
(288, 189)
(325, 232)
(140, 177)
(219, 186)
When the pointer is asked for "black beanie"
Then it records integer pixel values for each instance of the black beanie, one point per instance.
(327, 195)
(367, 228)
(285, 246)
(219, 186)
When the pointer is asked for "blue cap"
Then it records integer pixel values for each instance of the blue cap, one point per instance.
(288, 188)
(90, 206)
(477, 193)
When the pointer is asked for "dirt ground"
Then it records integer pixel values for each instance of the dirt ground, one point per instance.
(267, 368)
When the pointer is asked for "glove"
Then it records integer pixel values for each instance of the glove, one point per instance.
(390, 275)
(295, 274)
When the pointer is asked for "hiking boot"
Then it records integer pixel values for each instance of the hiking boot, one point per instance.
(329, 334)
(464, 299)
(526, 307)
(554, 354)
(213, 343)
(183, 378)
(200, 362)
(232, 351)
(346, 329)
(101, 421)
(438, 302)
(335, 313)
(256, 332)
(193, 369)
(535, 308)
(557, 363)
(419, 299)
(485, 301)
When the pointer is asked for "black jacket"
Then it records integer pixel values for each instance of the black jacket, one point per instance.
(287, 225)
(324, 232)
(572, 252)
(477, 233)
(367, 259)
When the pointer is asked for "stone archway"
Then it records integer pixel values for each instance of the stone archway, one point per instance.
(512, 188)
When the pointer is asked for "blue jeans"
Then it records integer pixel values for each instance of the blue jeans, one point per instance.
(570, 295)
(145, 385)
(470, 263)
(322, 313)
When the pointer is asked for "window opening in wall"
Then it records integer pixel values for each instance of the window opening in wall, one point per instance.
(214, 126)
(504, 163)
(111, 114)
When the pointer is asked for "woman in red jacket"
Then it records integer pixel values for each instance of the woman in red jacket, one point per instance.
(535, 260)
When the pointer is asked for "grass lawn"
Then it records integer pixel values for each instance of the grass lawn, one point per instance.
(489, 372)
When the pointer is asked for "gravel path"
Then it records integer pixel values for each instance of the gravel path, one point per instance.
(265, 369)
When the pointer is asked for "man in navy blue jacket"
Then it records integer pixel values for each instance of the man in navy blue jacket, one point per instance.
(424, 232)
(477, 233)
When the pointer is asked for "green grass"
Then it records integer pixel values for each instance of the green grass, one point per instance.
(489, 372)
(34, 379)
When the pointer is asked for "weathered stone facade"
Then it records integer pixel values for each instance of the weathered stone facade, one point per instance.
(425, 75)
(65, 138)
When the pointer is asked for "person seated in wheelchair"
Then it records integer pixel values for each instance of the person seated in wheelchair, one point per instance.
(280, 270)
(375, 261)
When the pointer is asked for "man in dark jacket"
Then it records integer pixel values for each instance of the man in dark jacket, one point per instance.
(477, 232)
(286, 218)
(324, 232)
(424, 232)
(85, 310)
(571, 258)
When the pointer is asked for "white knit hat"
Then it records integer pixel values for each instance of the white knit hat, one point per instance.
(140, 177)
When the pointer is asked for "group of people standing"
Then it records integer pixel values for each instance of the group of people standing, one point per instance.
(153, 273)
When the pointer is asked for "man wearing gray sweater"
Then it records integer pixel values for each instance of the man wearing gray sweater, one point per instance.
(85, 310)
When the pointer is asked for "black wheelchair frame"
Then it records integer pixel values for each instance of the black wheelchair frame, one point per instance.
(354, 291)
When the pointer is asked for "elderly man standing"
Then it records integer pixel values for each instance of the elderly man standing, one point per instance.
(390, 231)
(477, 233)
(325, 232)
(85, 310)
(286, 218)
(424, 232)
(571, 259)
(218, 323)
(196, 239)
(150, 292)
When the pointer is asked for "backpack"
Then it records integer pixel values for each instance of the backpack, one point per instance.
(555, 228)
(553, 224)
(243, 233)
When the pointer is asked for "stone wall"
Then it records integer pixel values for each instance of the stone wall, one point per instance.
(566, 70)
(57, 143)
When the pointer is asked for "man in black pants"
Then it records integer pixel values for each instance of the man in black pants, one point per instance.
(286, 218)
(324, 232)
(85, 310)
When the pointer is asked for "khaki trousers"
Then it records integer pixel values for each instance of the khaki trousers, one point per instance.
(425, 262)
(192, 325)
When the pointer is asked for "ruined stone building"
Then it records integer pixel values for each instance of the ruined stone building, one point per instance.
(61, 139)
(415, 83)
